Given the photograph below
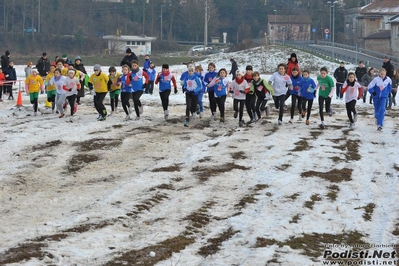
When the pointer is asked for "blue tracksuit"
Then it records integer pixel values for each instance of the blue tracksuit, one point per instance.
(192, 84)
(125, 86)
(221, 88)
(380, 89)
(296, 84)
(137, 80)
(209, 76)
(307, 88)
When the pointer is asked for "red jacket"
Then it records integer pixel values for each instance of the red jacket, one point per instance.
(290, 66)
(2, 79)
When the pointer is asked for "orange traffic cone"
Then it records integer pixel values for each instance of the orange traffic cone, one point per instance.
(19, 99)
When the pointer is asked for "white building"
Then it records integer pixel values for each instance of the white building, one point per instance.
(140, 45)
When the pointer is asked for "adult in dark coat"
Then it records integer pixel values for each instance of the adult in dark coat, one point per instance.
(340, 75)
(129, 57)
(79, 66)
(387, 65)
(11, 75)
(234, 68)
(5, 60)
(43, 65)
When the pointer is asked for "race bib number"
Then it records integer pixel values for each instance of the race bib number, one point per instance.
(166, 78)
(286, 78)
(323, 88)
(220, 88)
(260, 88)
(136, 78)
(237, 93)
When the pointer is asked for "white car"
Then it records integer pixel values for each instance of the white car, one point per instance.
(200, 48)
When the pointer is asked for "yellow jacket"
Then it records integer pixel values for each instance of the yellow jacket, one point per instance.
(48, 78)
(114, 85)
(34, 83)
(99, 82)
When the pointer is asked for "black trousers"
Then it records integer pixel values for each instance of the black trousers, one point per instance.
(71, 100)
(164, 95)
(250, 104)
(321, 105)
(136, 101)
(309, 109)
(191, 104)
(125, 97)
(350, 108)
(294, 100)
(220, 101)
(238, 106)
(212, 101)
(279, 104)
(98, 101)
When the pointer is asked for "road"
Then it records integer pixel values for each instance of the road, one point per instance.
(351, 56)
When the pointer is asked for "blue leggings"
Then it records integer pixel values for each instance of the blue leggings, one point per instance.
(379, 109)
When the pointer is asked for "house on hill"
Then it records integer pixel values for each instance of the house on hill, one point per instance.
(140, 45)
(289, 27)
(373, 32)
(394, 34)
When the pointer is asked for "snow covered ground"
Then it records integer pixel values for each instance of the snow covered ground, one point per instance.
(109, 193)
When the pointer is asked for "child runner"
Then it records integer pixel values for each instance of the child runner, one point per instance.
(238, 87)
(193, 86)
(126, 90)
(295, 98)
(164, 78)
(200, 105)
(152, 74)
(51, 91)
(209, 76)
(58, 81)
(326, 88)
(33, 84)
(263, 91)
(280, 81)
(379, 88)
(72, 85)
(307, 92)
(2, 80)
(99, 82)
(366, 79)
(353, 92)
(395, 83)
(220, 83)
(28, 69)
(250, 97)
(136, 76)
(115, 89)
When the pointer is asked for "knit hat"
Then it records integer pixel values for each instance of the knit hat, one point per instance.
(239, 72)
(128, 51)
(97, 67)
(7, 53)
(249, 68)
(78, 58)
(293, 55)
(34, 70)
(64, 56)
(165, 66)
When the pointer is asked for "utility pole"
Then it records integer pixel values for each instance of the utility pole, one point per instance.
(38, 18)
(206, 26)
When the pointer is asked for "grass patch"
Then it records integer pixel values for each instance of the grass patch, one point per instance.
(98, 144)
(368, 211)
(47, 145)
(316, 134)
(295, 219)
(293, 196)
(302, 145)
(204, 173)
(351, 149)
(163, 186)
(215, 243)
(396, 167)
(260, 187)
(172, 168)
(198, 219)
(283, 167)
(335, 175)
(313, 199)
(78, 161)
(240, 155)
(396, 231)
(205, 159)
(313, 245)
(163, 251)
(336, 159)
(333, 193)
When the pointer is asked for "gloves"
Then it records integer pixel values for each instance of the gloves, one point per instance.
(70, 89)
(65, 88)
(175, 90)
(374, 93)
(242, 91)
(184, 90)
(78, 86)
(144, 86)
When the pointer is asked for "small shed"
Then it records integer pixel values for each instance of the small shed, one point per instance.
(140, 45)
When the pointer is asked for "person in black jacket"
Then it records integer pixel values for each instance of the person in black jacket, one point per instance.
(11, 75)
(129, 57)
(234, 68)
(5, 60)
(360, 71)
(387, 65)
(79, 66)
(43, 65)
(340, 75)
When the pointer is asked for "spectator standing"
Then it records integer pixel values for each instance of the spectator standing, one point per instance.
(340, 75)
(79, 66)
(43, 65)
(129, 57)
(234, 68)
(360, 71)
(5, 60)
